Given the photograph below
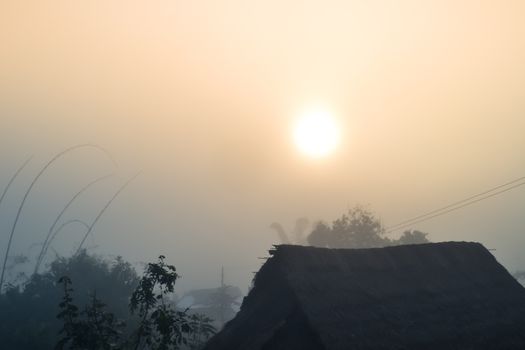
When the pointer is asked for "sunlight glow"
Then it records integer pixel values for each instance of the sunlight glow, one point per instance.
(316, 133)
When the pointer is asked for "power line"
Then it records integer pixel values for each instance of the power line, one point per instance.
(456, 206)
(457, 203)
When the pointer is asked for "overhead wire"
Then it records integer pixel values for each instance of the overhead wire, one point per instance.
(458, 205)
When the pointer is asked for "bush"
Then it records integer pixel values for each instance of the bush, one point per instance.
(160, 326)
(27, 310)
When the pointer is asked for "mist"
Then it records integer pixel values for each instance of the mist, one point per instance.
(200, 97)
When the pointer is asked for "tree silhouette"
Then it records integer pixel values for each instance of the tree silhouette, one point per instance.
(359, 228)
(160, 325)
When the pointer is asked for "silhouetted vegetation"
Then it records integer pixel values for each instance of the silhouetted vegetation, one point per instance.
(98, 329)
(359, 228)
(160, 325)
(28, 309)
(296, 236)
(86, 302)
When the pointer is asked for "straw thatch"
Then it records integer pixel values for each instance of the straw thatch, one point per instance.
(452, 295)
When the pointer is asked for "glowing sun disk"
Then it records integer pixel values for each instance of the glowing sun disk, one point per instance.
(316, 134)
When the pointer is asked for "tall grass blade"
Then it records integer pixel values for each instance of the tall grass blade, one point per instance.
(103, 211)
(21, 207)
(51, 233)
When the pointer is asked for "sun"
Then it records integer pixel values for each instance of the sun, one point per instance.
(316, 133)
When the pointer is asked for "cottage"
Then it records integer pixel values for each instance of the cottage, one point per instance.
(451, 295)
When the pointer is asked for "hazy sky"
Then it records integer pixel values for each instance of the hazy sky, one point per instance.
(201, 96)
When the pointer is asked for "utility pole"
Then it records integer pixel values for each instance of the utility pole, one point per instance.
(222, 298)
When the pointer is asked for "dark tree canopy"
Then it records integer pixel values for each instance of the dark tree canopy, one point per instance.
(28, 311)
(359, 228)
(87, 302)
(412, 237)
(160, 326)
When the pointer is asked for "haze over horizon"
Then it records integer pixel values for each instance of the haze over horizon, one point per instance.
(202, 97)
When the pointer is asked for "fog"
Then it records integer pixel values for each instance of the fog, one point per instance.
(201, 97)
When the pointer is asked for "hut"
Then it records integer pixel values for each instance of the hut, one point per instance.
(451, 295)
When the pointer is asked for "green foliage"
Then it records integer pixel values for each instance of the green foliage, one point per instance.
(98, 329)
(113, 281)
(27, 310)
(359, 228)
(68, 313)
(161, 326)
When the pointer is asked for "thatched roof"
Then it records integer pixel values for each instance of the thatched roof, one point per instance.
(452, 295)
